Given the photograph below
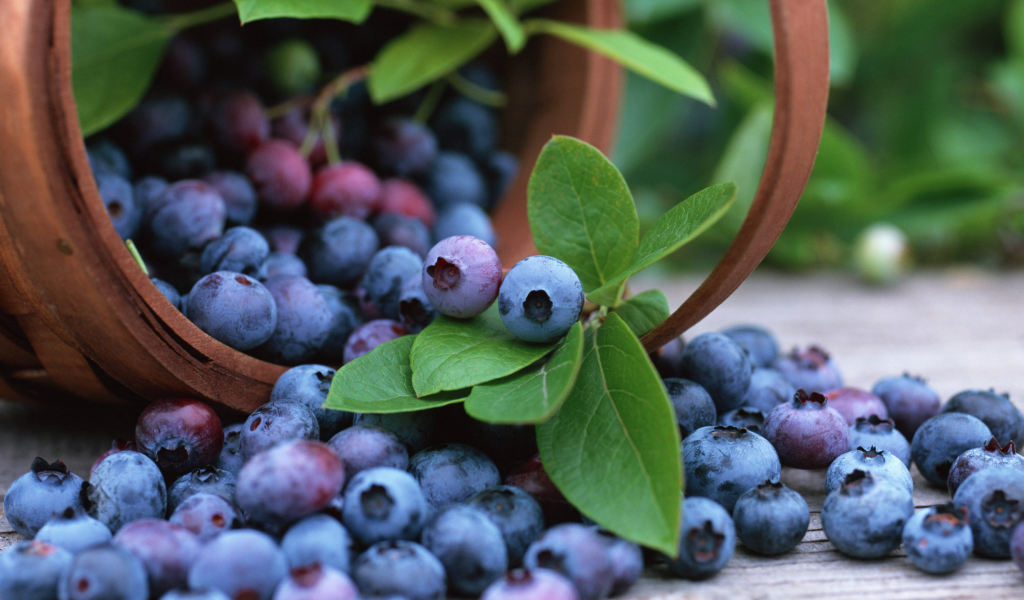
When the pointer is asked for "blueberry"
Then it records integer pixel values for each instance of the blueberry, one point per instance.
(992, 499)
(976, 459)
(238, 122)
(317, 540)
(407, 232)
(206, 515)
(238, 194)
(404, 198)
(187, 157)
(231, 458)
(179, 435)
(280, 174)
(404, 147)
(720, 366)
(399, 568)
(125, 487)
(500, 170)
(279, 264)
(668, 359)
(807, 433)
(470, 547)
(937, 539)
(811, 369)
(854, 404)
(415, 311)
(304, 321)
(1017, 546)
(117, 196)
(577, 552)
(526, 584)
(74, 531)
(276, 422)
(768, 389)
(289, 481)
(32, 570)
(103, 573)
(316, 582)
(466, 126)
(204, 594)
(48, 489)
(454, 179)
(691, 403)
(771, 518)
(167, 551)
(233, 309)
(365, 338)
(208, 479)
(517, 515)
(145, 191)
(995, 410)
(118, 445)
(185, 216)
(155, 119)
(414, 429)
(722, 463)
(744, 417)
(362, 447)
(464, 219)
(345, 318)
(294, 126)
(452, 473)
(242, 564)
(707, 540)
(383, 503)
(882, 434)
(627, 561)
(168, 291)
(879, 463)
(757, 341)
(284, 238)
(339, 252)
(864, 518)
(941, 439)
(309, 385)
(385, 275)
(345, 189)
(540, 299)
(106, 157)
(461, 276)
(240, 249)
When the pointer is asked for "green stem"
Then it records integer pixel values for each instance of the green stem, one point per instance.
(199, 17)
(430, 102)
(330, 142)
(476, 92)
(135, 254)
(425, 10)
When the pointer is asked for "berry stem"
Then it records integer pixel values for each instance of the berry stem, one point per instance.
(476, 92)
(135, 254)
(320, 118)
(430, 102)
(199, 17)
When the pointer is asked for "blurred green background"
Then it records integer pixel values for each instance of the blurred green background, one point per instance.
(924, 132)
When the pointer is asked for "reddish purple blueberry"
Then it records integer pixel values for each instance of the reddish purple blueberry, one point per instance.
(368, 336)
(461, 276)
(206, 515)
(811, 369)
(976, 459)
(853, 404)
(405, 198)
(166, 550)
(316, 582)
(346, 189)
(179, 434)
(280, 174)
(807, 432)
(531, 584)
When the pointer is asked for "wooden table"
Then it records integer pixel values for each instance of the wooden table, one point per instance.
(959, 328)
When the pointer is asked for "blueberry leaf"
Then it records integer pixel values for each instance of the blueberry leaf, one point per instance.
(533, 394)
(679, 225)
(644, 312)
(381, 382)
(506, 22)
(451, 354)
(633, 52)
(424, 54)
(114, 54)
(355, 11)
(581, 211)
(613, 447)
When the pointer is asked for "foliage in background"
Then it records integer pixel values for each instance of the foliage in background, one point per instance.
(925, 126)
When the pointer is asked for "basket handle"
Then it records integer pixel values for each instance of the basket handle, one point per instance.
(801, 97)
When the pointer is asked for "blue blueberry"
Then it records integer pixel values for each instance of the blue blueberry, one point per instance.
(744, 417)
(404, 147)
(233, 309)
(910, 401)
(400, 230)
(47, 490)
(768, 389)
(74, 531)
(720, 366)
(465, 126)
(208, 480)
(387, 272)
(309, 385)
(500, 170)
(117, 196)
(107, 157)
(242, 564)
(180, 159)
(668, 359)
(454, 179)
(383, 503)
(206, 515)
(470, 547)
(942, 438)
(722, 463)
(276, 422)
(461, 276)
(194, 595)
(882, 434)
(517, 515)
(810, 369)
(879, 463)
(284, 238)
(526, 584)
(166, 550)
(279, 264)
(168, 291)
(401, 569)
(976, 459)
(415, 311)
(995, 410)
(231, 458)
(627, 561)
(185, 216)
(691, 403)
(937, 539)
(156, 119)
(33, 570)
(414, 429)
(304, 321)
(464, 218)
(103, 573)
(540, 299)
(707, 540)
(362, 447)
(318, 539)
(125, 487)
(757, 341)
(452, 473)
(771, 518)
(994, 501)
(240, 249)
(239, 196)
(339, 252)
(579, 553)
(864, 518)
(316, 582)
(145, 191)
(345, 318)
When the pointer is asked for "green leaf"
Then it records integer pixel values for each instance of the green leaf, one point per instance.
(524, 6)
(114, 54)
(451, 354)
(381, 382)
(535, 393)
(644, 312)
(424, 54)
(633, 52)
(613, 448)
(581, 211)
(649, 11)
(506, 22)
(354, 11)
(679, 225)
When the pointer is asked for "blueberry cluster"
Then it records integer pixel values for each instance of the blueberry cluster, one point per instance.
(292, 230)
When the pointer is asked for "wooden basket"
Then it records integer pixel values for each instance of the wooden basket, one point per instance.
(79, 319)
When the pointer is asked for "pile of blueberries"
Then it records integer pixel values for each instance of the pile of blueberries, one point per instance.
(271, 248)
